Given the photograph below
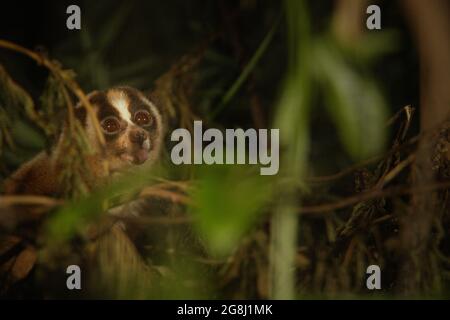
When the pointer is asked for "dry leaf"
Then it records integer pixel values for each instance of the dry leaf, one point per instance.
(24, 263)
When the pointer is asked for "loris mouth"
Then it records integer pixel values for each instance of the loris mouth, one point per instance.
(136, 156)
(140, 156)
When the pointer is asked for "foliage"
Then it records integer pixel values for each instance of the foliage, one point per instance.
(226, 231)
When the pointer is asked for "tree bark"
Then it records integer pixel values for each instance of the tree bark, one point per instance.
(429, 23)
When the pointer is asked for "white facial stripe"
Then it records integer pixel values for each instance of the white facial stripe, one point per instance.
(119, 101)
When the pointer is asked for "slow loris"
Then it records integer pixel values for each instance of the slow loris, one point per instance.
(133, 128)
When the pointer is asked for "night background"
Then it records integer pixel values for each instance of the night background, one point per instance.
(364, 156)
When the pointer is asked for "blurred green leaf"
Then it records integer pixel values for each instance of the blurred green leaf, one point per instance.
(113, 25)
(292, 117)
(132, 68)
(227, 201)
(371, 46)
(93, 65)
(76, 214)
(354, 102)
(27, 136)
(14, 100)
(231, 92)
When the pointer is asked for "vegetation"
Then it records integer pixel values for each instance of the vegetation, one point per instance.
(364, 160)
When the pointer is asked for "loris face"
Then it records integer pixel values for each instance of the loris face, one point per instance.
(131, 125)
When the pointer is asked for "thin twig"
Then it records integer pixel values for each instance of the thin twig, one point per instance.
(165, 194)
(6, 201)
(350, 169)
(375, 193)
(396, 170)
(159, 220)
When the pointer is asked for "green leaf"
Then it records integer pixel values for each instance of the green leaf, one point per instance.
(113, 26)
(355, 104)
(227, 202)
(373, 45)
(27, 136)
(231, 92)
(76, 214)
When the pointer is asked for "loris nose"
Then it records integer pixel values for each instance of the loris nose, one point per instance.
(138, 136)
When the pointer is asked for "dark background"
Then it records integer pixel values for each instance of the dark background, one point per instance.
(156, 33)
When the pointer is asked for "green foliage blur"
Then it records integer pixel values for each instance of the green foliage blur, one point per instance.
(324, 95)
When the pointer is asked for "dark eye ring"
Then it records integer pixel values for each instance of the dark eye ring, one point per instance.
(111, 125)
(142, 118)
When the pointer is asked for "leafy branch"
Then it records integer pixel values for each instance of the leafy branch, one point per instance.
(65, 78)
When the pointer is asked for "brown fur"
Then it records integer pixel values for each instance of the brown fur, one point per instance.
(36, 176)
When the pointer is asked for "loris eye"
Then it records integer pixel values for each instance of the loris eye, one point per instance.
(111, 125)
(142, 118)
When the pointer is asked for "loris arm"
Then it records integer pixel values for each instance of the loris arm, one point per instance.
(37, 177)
